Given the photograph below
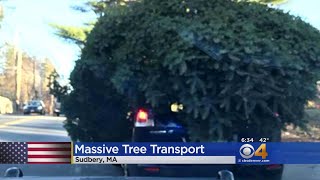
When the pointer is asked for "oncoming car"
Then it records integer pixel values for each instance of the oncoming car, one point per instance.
(35, 106)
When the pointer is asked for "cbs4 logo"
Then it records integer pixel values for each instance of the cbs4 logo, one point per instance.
(247, 151)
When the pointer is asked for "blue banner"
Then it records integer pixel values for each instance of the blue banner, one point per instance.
(279, 153)
(244, 153)
(154, 149)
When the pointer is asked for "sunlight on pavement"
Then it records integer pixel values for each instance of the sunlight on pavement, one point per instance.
(19, 121)
(36, 117)
(20, 130)
(25, 119)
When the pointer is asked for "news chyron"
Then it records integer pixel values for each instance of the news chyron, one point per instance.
(253, 153)
(153, 153)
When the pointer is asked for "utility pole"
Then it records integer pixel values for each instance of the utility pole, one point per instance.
(34, 78)
(18, 60)
(36, 93)
(41, 79)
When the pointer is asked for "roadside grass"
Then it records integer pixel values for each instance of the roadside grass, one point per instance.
(310, 134)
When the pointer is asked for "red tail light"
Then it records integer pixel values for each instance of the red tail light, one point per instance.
(152, 169)
(142, 116)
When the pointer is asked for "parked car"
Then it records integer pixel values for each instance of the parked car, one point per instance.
(57, 109)
(148, 126)
(35, 106)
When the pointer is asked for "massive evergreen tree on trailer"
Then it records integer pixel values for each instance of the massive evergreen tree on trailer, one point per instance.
(231, 64)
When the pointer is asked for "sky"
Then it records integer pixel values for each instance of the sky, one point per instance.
(308, 10)
(31, 18)
(29, 21)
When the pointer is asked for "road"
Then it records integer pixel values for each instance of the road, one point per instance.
(47, 128)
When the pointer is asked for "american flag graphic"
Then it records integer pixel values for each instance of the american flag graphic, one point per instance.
(35, 152)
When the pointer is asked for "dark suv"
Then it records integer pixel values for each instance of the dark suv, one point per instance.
(151, 127)
(148, 126)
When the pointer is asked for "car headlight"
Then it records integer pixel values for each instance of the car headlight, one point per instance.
(25, 107)
(39, 107)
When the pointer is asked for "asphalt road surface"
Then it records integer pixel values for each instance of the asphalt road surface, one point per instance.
(48, 128)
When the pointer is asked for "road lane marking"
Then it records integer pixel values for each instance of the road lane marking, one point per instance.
(18, 121)
(29, 119)
(23, 130)
(9, 127)
(48, 118)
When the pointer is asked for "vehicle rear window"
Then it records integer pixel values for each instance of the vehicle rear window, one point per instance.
(34, 103)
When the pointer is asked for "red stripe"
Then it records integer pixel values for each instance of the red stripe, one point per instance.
(49, 149)
(49, 162)
(49, 142)
(49, 156)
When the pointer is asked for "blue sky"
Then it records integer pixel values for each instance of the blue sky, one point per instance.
(308, 10)
(31, 19)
